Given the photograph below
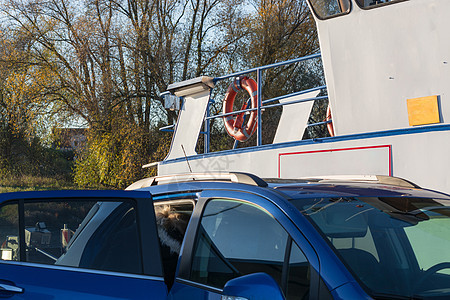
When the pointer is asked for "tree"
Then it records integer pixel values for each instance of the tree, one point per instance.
(18, 109)
(276, 30)
(108, 61)
(105, 63)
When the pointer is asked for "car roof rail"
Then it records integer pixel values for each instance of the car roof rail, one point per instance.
(381, 179)
(236, 177)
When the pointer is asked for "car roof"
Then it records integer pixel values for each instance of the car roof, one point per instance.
(332, 186)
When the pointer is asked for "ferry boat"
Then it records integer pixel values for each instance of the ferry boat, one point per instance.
(387, 73)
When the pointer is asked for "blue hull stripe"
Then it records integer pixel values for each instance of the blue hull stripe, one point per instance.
(358, 136)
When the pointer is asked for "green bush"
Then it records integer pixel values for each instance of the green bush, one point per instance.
(26, 164)
(115, 159)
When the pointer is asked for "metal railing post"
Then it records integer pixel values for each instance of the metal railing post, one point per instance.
(259, 104)
(207, 124)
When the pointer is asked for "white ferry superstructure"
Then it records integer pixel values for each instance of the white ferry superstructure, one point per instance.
(387, 73)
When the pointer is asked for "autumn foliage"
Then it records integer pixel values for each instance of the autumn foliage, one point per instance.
(102, 64)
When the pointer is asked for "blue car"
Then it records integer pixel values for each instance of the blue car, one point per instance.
(229, 236)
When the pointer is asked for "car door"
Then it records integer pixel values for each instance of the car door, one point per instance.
(236, 233)
(79, 245)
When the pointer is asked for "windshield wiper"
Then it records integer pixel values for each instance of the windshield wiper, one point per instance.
(382, 296)
(409, 217)
(417, 214)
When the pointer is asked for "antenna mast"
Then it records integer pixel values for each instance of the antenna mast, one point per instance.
(182, 147)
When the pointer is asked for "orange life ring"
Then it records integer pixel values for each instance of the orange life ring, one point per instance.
(234, 124)
(330, 124)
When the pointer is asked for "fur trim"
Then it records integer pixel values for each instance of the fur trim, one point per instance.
(167, 240)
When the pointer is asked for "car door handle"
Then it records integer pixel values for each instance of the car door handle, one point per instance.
(10, 288)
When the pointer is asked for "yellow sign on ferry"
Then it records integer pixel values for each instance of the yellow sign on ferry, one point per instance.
(423, 110)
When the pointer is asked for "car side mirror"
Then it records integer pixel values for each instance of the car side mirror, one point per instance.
(257, 286)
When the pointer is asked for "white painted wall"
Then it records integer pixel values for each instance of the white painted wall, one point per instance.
(294, 118)
(421, 157)
(189, 124)
(377, 58)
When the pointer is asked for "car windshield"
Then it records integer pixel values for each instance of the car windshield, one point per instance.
(395, 246)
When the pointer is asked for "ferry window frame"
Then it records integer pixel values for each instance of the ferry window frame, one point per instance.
(332, 16)
(377, 5)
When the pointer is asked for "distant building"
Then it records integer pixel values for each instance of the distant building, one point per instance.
(69, 139)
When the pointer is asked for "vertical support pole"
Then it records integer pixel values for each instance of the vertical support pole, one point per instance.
(21, 217)
(207, 125)
(259, 104)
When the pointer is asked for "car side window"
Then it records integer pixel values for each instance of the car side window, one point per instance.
(172, 218)
(299, 275)
(114, 246)
(9, 232)
(237, 238)
(85, 234)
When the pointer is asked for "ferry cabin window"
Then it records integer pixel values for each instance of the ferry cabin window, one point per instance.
(372, 3)
(330, 8)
